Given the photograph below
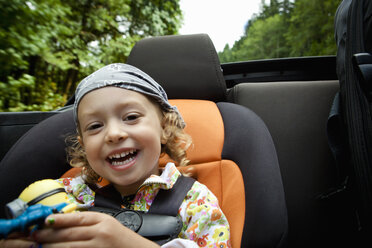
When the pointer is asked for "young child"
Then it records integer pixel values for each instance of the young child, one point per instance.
(125, 123)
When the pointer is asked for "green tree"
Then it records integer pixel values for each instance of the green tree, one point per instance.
(273, 8)
(48, 46)
(311, 29)
(25, 31)
(287, 29)
(264, 40)
(264, 35)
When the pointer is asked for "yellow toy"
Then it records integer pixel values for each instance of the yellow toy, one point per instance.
(36, 202)
(47, 192)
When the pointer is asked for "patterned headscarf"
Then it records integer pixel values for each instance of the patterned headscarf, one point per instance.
(127, 77)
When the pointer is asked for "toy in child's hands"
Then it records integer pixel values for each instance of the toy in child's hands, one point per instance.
(33, 215)
(39, 200)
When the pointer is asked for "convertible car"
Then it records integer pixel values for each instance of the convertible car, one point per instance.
(259, 129)
(279, 132)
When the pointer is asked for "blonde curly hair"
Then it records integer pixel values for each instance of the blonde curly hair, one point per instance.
(177, 142)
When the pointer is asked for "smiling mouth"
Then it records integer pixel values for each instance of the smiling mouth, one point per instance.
(122, 158)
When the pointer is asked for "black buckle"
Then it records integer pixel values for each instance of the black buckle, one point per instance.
(156, 227)
(131, 219)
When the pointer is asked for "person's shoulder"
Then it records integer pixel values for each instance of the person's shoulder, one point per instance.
(78, 192)
(200, 190)
(200, 186)
(68, 182)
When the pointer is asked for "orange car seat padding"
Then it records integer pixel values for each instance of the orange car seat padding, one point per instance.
(204, 124)
(225, 180)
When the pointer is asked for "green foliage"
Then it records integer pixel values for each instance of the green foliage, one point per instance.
(48, 46)
(264, 41)
(287, 29)
(311, 30)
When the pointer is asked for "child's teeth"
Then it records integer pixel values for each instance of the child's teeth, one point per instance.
(117, 163)
(122, 155)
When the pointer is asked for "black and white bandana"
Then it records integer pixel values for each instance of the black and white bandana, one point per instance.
(127, 77)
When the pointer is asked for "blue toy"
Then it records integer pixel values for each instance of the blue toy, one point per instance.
(34, 215)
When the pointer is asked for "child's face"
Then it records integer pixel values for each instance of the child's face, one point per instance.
(121, 135)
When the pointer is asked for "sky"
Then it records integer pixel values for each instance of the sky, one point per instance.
(222, 20)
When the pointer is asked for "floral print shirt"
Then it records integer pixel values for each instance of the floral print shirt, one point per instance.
(204, 224)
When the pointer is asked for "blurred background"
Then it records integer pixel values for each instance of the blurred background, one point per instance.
(48, 46)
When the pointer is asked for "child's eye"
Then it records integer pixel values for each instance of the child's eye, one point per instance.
(131, 117)
(94, 126)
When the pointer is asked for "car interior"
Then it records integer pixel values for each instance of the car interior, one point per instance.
(260, 140)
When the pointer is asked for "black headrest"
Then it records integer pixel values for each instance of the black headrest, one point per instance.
(187, 66)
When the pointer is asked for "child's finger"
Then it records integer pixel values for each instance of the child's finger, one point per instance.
(74, 244)
(85, 227)
(17, 243)
(17, 235)
(73, 219)
(71, 227)
(61, 235)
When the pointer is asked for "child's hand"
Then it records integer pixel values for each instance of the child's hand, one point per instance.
(18, 240)
(88, 229)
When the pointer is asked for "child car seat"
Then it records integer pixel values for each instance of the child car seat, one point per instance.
(241, 139)
(233, 152)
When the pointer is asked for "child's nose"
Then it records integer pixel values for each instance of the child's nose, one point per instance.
(115, 133)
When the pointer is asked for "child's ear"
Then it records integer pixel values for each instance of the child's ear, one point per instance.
(80, 140)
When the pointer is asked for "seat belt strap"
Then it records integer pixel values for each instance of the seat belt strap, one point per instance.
(108, 197)
(161, 223)
(168, 202)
